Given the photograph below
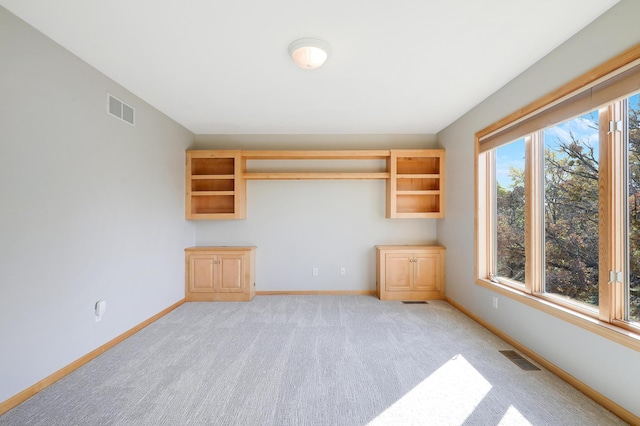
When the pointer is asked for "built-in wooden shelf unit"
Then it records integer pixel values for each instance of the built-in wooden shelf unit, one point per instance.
(216, 180)
(416, 187)
(215, 187)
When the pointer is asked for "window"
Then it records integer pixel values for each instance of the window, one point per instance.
(558, 202)
(632, 296)
(510, 214)
(571, 195)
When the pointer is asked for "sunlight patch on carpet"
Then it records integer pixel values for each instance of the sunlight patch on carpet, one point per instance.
(450, 394)
(513, 417)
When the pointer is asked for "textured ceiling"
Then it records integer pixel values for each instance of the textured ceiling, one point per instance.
(221, 67)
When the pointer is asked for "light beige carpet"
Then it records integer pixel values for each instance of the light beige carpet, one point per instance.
(309, 360)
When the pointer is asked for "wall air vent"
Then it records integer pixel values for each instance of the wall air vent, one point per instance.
(119, 109)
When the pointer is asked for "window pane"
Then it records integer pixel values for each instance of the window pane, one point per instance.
(633, 290)
(510, 210)
(571, 209)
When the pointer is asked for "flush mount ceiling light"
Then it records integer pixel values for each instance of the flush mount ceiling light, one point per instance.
(309, 53)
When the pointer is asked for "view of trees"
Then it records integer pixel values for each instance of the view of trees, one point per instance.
(571, 215)
(634, 208)
(510, 224)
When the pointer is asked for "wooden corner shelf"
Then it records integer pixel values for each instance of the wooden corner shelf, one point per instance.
(215, 187)
(416, 188)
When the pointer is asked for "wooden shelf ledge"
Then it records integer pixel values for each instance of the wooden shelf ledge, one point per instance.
(418, 176)
(419, 192)
(211, 177)
(316, 176)
(317, 155)
(204, 193)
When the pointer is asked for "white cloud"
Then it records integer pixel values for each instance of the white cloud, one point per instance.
(581, 128)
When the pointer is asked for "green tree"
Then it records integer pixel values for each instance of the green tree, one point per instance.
(571, 219)
(634, 210)
(511, 227)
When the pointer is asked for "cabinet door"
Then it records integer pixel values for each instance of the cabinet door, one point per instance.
(426, 272)
(398, 272)
(202, 274)
(231, 273)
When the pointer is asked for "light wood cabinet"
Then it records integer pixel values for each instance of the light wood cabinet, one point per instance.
(410, 272)
(215, 187)
(220, 274)
(416, 187)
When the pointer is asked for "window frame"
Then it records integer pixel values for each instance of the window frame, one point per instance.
(607, 321)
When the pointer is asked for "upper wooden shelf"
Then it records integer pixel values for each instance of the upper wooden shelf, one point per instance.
(318, 155)
(315, 176)
(216, 180)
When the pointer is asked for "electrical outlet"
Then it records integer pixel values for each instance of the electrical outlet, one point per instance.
(343, 271)
(314, 271)
(100, 308)
(495, 302)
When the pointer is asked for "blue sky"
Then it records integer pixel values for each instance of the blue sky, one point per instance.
(634, 101)
(507, 156)
(512, 155)
(582, 128)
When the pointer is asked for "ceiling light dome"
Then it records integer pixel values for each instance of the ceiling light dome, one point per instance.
(309, 53)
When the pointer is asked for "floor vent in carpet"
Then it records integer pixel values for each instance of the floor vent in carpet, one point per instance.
(414, 302)
(519, 360)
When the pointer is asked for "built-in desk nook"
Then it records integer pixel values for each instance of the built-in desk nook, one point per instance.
(216, 190)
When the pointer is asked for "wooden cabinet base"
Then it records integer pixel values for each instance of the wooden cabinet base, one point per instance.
(410, 295)
(220, 297)
(220, 274)
(410, 272)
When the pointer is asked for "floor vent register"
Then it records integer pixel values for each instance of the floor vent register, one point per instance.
(519, 360)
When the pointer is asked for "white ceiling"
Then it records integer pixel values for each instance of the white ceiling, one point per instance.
(397, 67)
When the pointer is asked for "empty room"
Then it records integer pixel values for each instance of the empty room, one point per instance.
(320, 213)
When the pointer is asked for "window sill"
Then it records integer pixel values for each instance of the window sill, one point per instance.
(619, 335)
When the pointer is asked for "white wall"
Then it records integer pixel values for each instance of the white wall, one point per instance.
(90, 208)
(298, 225)
(578, 352)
